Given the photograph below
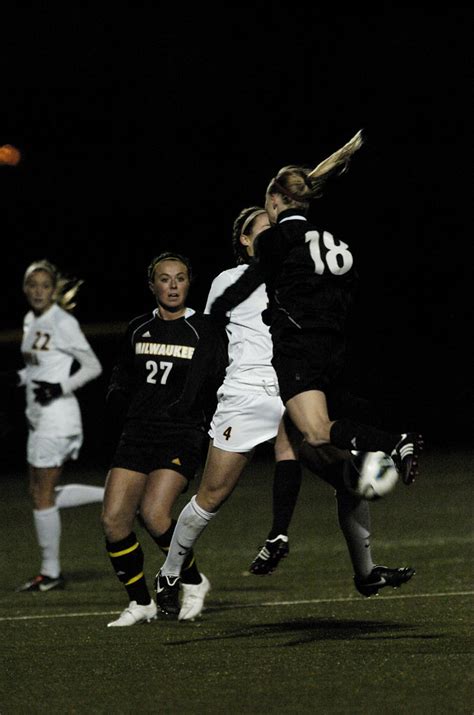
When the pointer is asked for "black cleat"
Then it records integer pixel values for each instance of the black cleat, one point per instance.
(270, 555)
(42, 583)
(405, 456)
(380, 577)
(167, 594)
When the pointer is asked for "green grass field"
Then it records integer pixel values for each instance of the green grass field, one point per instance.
(299, 641)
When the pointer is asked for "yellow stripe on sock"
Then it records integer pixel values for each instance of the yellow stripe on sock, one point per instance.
(135, 578)
(190, 564)
(114, 554)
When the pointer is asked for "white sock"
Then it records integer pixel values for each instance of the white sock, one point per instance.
(191, 523)
(48, 532)
(354, 520)
(77, 495)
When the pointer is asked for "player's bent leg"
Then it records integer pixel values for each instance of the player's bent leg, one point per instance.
(309, 413)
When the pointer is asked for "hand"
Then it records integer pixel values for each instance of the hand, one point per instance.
(46, 392)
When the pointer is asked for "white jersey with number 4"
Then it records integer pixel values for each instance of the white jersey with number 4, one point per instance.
(250, 342)
(51, 342)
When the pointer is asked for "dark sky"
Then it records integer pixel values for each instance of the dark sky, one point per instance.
(143, 131)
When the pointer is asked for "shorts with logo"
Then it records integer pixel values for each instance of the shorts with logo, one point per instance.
(169, 447)
(245, 419)
(43, 451)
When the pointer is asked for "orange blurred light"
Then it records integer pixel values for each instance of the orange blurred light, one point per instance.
(9, 155)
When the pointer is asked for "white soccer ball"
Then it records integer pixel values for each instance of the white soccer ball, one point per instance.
(370, 475)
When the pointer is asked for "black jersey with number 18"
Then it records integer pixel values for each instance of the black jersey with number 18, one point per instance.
(309, 274)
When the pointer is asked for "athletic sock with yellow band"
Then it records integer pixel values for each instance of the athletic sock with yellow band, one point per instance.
(126, 557)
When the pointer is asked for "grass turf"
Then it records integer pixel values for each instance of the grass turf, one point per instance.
(299, 641)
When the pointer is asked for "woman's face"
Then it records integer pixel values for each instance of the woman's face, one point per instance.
(259, 224)
(170, 284)
(39, 291)
(271, 208)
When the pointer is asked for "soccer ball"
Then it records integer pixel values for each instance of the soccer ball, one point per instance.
(370, 475)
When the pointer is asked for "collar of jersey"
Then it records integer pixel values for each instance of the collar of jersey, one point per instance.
(287, 216)
(187, 313)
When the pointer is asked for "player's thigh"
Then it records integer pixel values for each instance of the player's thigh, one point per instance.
(222, 471)
(308, 411)
(162, 490)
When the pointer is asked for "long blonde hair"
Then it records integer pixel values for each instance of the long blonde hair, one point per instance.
(300, 185)
(65, 288)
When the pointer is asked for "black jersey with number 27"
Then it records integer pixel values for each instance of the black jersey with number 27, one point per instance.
(170, 370)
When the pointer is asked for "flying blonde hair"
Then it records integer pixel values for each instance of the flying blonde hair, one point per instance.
(301, 185)
(65, 289)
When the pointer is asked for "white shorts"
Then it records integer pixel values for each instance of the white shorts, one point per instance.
(243, 420)
(42, 451)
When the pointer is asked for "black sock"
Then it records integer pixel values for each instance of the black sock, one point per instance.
(347, 434)
(286, 487)
(189, 571)
(126, 557)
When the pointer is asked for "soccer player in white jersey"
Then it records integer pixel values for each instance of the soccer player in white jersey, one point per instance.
(249, 409)
(52, 341)
(250, 412)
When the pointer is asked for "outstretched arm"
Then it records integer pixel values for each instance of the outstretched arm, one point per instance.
(236, 293)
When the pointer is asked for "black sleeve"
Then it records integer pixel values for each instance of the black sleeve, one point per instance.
(122, 375)
(117, 399)
(206, 373)
(236, 293)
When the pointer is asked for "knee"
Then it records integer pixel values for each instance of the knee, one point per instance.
(155, 519)
(113, 526)
(318, 432)
(211, 498)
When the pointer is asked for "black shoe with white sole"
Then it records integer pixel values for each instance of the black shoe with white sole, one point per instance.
(380, 577)
(167, 594)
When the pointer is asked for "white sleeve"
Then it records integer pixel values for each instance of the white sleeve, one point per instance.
(75, 343)
(22, 377)
(218, 286)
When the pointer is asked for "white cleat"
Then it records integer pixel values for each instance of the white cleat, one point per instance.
(193, 599)
(135, 613)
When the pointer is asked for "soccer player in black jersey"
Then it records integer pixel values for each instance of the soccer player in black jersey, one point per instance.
(310, 280)
(164, 385)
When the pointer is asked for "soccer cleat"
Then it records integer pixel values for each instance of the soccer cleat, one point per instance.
(167, 594)
(135, 613)
(405, 456)
(42, 583)
(381, 576)
(193, 599)
(270, 555)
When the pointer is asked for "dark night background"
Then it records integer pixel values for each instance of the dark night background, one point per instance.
(143, 131)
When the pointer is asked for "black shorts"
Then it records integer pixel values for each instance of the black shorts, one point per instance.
(180, 449)
(308, 360)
